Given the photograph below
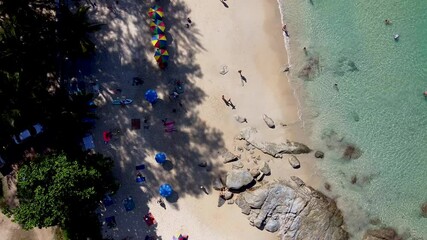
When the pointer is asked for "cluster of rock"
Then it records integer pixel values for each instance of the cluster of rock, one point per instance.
(274, 149)
(293, 209)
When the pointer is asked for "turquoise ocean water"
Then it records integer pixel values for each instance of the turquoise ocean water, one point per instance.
(378, 104)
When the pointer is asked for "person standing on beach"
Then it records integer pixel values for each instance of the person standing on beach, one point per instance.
(242, 78)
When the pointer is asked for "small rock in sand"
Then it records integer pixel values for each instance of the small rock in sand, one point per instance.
(237, 165)
(229, 157)
(266, 169)
(294, 162)
(268, 121)
(227, 195)
(254, 172)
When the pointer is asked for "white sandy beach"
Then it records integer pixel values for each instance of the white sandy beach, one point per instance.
(245, 36)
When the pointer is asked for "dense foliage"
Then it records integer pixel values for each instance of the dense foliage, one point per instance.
(39, 41)
(56, 190)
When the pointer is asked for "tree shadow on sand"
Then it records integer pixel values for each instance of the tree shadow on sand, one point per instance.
(124, 51)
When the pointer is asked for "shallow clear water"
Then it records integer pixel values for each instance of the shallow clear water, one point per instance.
(379, 83)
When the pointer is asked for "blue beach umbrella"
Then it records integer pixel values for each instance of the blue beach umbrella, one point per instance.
(160, 157)
(165, 190)
(151, 96)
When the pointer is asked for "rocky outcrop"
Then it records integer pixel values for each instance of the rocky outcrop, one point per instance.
(237, 179)
(268, 121)
(381, 234)
(273, 149)
(294, 210)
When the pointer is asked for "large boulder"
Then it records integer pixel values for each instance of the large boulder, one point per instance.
(293, 209)
(251, 136)
(237, 179)
(381, 234)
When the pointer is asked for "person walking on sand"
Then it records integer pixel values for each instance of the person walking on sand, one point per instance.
(242, 78)
(231, 104)
(204, 189)
(225, 101)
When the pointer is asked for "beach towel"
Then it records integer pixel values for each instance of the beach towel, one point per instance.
(149, 219)
(169, 126)
(136, 123)
(107, 136)
(140, 167)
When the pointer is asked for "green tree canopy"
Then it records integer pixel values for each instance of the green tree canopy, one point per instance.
(53, 188)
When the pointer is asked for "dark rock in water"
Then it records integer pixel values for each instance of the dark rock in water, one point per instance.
(268, 121)
(375, 221)
(319, 154)
(353, 179)
(352, 152)
(229, 157)
(293, 209)
(327, 186)
(355, 116)
(237, 179)
(424, 210)
(294, 162)
(352, 66)
(381, 234)
(251, 136)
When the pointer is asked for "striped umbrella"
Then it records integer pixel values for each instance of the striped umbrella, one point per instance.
(161, 55)
(157, 26)
(156, 12)
(159, 41)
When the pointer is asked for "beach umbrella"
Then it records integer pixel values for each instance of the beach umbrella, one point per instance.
(161, 55)
(160, 157)
(165, 190)
(151, 96)
(159, 41)
(157, 26)
(156, 12)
